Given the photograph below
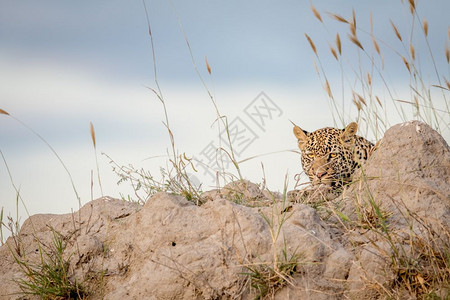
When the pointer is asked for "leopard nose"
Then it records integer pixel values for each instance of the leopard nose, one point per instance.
(320, 174)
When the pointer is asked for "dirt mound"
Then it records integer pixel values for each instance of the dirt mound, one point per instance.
(404, 193)
(246, 242)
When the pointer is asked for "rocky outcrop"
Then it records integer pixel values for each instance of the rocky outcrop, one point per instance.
(244, 239)
(405, 189)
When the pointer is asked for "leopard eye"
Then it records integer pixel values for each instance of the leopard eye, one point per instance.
(333, 155)
(310, 155)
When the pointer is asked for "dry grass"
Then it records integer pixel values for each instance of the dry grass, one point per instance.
(370, 74)
(3, 112)
(417, 256)
(51, 277)
(266, 278)
(174, 179)
(51, 149)
(421, 263)
(96, 158)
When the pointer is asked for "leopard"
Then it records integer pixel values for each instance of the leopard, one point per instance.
(330, 155)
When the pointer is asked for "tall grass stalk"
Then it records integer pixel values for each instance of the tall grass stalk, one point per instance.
(1, 227)
(220, 118)
(158, 91)
(362, 76)
(177, 161)
(417, 256)
(96, 159)
(14, 224)
(268, 277)
(52, 150)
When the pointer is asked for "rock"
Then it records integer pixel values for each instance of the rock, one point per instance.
(338, 264)
(316, 194)
(372, 267)
(410, 173)
(243, 235)
(407, 179)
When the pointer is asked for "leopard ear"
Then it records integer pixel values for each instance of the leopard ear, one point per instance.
(349, 132)
(301, 136)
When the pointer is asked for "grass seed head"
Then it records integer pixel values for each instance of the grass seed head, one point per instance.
(425, 27)
(406, 64)
(328, 89)
(338, 18)
(397, 33)
(4, 112)
(338, 43)
(353, 24)
(316, 68)
(333, 51)
(311, 43)
(93, 135)
(360, 98)
(447, 83)
(412, 6)
(358, 105)
(447, 53)
(207, 66)
(375, 44)
(316, 13)
(371, 24)
(353, 28)
(378, 100)
(355, 41)
(412, 51)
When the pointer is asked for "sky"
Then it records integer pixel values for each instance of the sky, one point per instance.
(65, 64)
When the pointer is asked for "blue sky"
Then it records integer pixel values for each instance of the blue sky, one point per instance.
(65, 64)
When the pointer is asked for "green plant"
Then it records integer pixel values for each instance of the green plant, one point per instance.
(371, 214)
(417, 257)
(420, 263)
(424, 272)
(267, 278)
(178, 163)
(13, 225)
(51, 278)
(174, 180)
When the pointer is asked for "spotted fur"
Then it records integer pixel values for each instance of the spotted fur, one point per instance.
(330, 155)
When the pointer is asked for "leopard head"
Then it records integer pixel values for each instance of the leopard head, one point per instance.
(327, 154)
